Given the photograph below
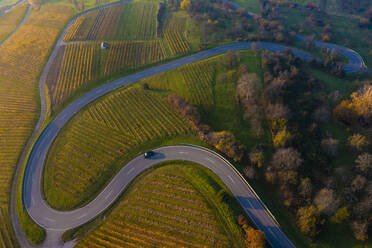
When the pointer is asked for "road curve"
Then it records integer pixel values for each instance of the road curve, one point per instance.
(58, 221)
(37, 156)
(355, 61)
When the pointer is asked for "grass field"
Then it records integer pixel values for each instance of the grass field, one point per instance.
(130, 21)
(171, 206)
(98, 141)
(10, 21)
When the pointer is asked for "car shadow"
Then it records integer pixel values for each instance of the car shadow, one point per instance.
(157, 155)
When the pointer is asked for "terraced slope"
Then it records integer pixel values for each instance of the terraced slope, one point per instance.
(98, 141)
(171, 206)
(10, 20)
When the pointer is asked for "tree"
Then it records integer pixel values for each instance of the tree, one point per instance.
(254, 238)
(322, 114)
(286, 159)
(345, 113)
(326, 201)
(360, 230)
(247, 90)
(358, 142)
(362, 102)
(250, 172)
(185, 4)
(277, 111)
(282, 138)
(146, 86)
(308, 220)
(364, 163)
(256, 158)
(231, 60)
(358, 183)
(305, 189)
(340, 216)
(330, 146)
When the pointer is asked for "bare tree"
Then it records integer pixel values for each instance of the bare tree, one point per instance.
(286, 159)
(326, 201)
(360, 230)
(364, 163)
(358, 183)
(277, 111)
(330, 146)
(305, 189)
(358, 142)
(322, 114)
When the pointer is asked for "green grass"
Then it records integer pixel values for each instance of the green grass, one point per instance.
(250, 5)
(97, 142)
(345, 30)
(171, 205)
(331, 83)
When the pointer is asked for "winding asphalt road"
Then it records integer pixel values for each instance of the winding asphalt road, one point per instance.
(355, 61)
(55, 222)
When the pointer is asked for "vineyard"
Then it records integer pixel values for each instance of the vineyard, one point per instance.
(6, 240)
(174, 35)
(171, 206)
(130, 21)
(98, 141)
(126, 54)
(21, 62)
(10, 20)
(193, 82)
(79, 63)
